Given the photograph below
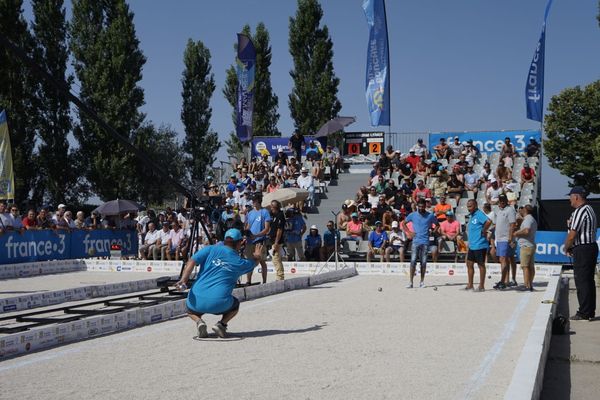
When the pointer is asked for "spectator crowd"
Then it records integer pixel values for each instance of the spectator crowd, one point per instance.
(450, 183)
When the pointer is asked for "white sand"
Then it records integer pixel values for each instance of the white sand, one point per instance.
(343, 340)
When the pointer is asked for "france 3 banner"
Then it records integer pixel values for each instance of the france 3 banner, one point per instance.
(488, 142)
(377, 74)
(42, 245)
(550, 247)
(270, 145)
(534, 87)
(7, 178)
(245, 66)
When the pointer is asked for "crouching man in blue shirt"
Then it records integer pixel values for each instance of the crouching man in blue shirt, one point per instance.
(211, 293)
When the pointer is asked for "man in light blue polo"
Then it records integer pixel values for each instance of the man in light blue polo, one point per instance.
(211, 293)
(478, 244)
(422, 223)
(258, 223)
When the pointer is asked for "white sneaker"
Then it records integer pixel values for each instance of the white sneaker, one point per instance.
(409, 286)
(202, 331)
(422, 284)
(220, 329)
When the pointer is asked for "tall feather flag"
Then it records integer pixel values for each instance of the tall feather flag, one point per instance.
(534, 87)
(245, 66)
(7, 177)
(378, 62)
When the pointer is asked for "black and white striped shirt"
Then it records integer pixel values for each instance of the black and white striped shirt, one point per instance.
(583, 221)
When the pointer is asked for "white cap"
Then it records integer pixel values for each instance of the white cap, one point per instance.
(61, 206)
(314, 227)
(280, 150)
(493, 180)
(394, 224)
(303, 169)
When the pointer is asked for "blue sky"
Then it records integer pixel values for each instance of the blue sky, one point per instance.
(455, 65)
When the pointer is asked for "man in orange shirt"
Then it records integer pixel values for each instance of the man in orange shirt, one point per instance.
(441, 208)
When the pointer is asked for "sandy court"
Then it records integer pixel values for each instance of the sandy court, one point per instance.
(340, 340)
(36, 284)
(43, 283)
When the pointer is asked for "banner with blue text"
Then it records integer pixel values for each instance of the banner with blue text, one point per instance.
(245, 67)
(377, 86)
(488, 142)
(42, 245)
(534, 87)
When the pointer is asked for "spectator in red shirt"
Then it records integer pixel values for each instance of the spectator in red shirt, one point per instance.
(30, 221)
(527, 174)
(421, 191)
(413, 160)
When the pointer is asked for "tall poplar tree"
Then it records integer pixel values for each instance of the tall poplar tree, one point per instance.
(17, 97)
(58, 174)
(266, 103)
(201, 143)
(313, 100)
(108, 63)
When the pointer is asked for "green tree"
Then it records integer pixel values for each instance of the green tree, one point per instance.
(265, 114)
(17, 97)
(108, 63)
(201, 143)
(57, 175)
(313, 100)
(572, 127)
(160, 144)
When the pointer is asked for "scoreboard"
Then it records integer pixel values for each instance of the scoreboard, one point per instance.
(365, 143)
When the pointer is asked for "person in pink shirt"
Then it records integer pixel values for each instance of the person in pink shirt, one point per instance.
(450, 228)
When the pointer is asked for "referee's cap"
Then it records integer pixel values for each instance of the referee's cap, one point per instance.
(233, 234)
(577, 190)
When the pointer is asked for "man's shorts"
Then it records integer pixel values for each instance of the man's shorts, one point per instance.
(504, 250)
(396, 249)
(378, 250)
(477, 256)
(214, 307)
(249, 251)
(527, 256)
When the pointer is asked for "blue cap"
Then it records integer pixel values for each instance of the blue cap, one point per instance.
(577, 190)
(233, 234)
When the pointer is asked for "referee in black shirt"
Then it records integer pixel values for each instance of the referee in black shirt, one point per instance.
(581, 245)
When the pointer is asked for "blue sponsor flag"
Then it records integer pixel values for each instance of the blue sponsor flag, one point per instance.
(534, 87)
(245, 66)
(378, 78)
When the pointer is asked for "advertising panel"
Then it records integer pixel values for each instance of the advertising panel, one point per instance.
(270, 145)
(42, 245)
(488, 142)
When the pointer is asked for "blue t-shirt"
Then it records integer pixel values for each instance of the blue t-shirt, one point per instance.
(421, 225)
(220, 268)
(377, 239)
(256, 222)
(329, 237)
(311, 242)
(296, 224)
(474, 228)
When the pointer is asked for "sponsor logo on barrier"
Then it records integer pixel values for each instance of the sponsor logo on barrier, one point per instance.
(293, 270)
(11, 307)
(149, 269)
(450, 272)
(156, 318)
(119, 268)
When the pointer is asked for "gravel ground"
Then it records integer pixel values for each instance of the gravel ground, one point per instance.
(343, 340)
